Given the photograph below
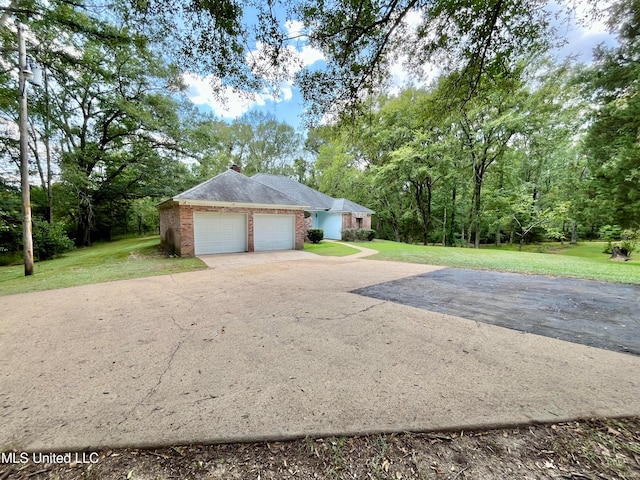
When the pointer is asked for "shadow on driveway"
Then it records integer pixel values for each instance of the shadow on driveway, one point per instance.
(597, 314)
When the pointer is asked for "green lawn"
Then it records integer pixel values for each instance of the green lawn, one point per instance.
(140, 257)
(585, 260)
(330, 249)
(102, 262)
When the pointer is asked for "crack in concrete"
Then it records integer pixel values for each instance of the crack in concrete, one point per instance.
(342, 316)
(180, 327)
(154, 389)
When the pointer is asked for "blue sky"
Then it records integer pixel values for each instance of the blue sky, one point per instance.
(583, 34)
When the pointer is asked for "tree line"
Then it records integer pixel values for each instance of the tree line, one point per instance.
(506, 145)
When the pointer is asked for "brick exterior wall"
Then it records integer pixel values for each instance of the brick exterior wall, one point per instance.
(170, 228)
(349, 220)
(176, 225)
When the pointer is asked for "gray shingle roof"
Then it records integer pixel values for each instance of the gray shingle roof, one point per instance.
(308, 196)
(344, 205)
(234, 187)
(314, 199)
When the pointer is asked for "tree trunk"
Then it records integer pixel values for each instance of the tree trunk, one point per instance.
(85, 220)
(476, 203)
(444, 227)
(619, 253)
(453, 218)
(47, 145)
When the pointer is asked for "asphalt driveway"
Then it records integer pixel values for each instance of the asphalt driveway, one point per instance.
(599, 314)
(274, 350)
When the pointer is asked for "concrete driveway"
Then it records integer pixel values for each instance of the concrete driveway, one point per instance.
(277, 349)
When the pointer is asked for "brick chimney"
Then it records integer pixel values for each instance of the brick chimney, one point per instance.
(235, 167)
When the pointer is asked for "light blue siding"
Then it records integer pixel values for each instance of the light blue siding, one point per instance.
(331, 223)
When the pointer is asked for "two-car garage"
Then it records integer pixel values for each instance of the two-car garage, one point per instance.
(231, 232)
(231, 213)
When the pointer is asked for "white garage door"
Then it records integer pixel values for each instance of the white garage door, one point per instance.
(274, 232)
(219, 233)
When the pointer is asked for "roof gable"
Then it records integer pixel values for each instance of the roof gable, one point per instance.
(233, 187)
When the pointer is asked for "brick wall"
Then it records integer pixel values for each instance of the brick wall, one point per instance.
(350, 220)
(176, 225)
(170, 228)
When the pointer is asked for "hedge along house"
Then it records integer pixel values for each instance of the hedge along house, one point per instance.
(330, 214)
(231, 213)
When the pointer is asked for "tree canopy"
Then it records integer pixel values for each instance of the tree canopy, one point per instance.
(246, 45)
(613, 142)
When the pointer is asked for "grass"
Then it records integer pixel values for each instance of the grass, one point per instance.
(585, 260)
(330, 249)
(103, 262)
(140, 257)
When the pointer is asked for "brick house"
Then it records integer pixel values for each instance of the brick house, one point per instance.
(234, 213)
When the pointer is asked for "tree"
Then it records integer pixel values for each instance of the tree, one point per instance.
(412, 128)
(269, 146)
(360, 38)
(256, 142)
(116, 127)
(611, 144)
(246, 45)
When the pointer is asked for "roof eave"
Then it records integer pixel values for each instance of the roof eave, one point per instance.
(210, 203)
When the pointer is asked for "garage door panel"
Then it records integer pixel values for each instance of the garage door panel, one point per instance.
(219, 233)
(274, 232)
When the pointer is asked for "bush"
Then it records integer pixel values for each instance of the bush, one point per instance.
(315, 235)
(609, 233)
(49, 240)
(357, 234)
(629, 240)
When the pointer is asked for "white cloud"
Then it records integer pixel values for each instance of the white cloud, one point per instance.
(310, 55)
(295, 28)
(225, 101)
(585, 30)
(592, 18)
(229, 102)
(413, 18)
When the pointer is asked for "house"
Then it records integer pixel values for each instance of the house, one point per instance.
(234, 213)
(330, 214)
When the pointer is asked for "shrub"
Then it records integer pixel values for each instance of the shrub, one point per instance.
(609, 233)
(629, 241)
(49, 240)
(357, 234)
(315, 235)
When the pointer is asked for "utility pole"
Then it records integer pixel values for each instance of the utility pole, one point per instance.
(23, 74)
